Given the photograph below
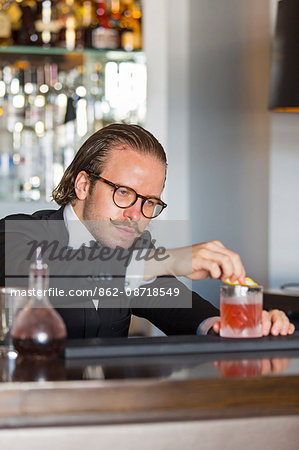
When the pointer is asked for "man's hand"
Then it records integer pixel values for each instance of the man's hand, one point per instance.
(208, 259)
(274, 322)
(212, 259)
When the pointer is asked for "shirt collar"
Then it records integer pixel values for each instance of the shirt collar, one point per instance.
(78, 233)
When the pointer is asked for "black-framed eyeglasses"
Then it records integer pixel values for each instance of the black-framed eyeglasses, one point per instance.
(125, 197)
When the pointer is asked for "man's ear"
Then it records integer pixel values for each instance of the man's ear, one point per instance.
(82, 184)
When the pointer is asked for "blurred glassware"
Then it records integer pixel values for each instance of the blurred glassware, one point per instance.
(12, 300)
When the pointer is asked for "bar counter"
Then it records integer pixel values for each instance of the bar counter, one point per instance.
(177, 380)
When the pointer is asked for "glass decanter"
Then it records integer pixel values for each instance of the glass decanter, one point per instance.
(38, 331)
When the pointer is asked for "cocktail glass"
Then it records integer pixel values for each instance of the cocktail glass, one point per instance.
(241, 311)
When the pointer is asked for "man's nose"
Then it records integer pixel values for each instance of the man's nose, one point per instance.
(134, 211)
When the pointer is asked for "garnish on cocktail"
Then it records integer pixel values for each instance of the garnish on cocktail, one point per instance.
(248, 282)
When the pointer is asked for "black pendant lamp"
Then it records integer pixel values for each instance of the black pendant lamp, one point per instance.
(284, 86)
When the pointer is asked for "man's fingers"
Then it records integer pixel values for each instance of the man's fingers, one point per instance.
(266, 323)
(218, 261)
(276, 322)
(197, 262)
(206, 259)
(214, 245)
(280, 323)
(206, 262)
(229, 261)
(216, 327)
(207, 269)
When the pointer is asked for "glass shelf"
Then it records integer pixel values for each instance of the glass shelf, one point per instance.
(36, 141)
(52, 51)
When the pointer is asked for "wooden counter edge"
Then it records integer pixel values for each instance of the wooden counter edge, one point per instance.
(118, 401)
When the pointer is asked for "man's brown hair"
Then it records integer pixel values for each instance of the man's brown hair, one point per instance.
(94, 153)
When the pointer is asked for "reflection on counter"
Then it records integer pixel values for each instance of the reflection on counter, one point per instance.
(156, 367)
(39, 371)
(251, 367)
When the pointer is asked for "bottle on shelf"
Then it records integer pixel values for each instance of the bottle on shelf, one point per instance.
(38, 331)
(130, 25)
(86, 22)
(103, 36)
(47, 24)
(7, 169)
(114, 13)
(16, 98)
(15, 12)
(66, 12)
(33, 103)
(5, 24)
(23, 16)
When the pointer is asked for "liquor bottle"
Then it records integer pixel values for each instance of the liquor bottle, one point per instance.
(47, 24)
(51, 78)
(130, 25)
(38, 331)
(114, 13)
(66, 12)
(7, 172)
(103, 36)
(16, 98)
(86, 21)
(137, 16)
(15, 14)
(23, 16)
(5, 25)
(96, 97)
(114, 18)
(32, 111)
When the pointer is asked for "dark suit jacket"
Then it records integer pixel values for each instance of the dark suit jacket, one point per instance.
(19, 232)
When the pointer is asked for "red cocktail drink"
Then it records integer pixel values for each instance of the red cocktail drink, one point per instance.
(241, 311)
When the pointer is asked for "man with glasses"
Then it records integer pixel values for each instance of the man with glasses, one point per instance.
(108, 195)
